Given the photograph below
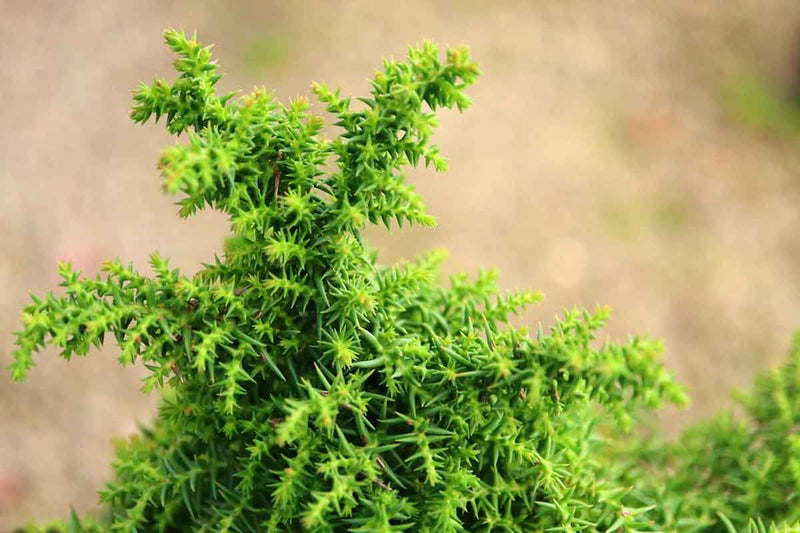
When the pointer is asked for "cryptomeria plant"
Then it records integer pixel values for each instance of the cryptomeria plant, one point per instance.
(305, 387)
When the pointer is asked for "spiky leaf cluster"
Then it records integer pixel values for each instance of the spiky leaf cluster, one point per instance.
(304, 386)
(725, 471)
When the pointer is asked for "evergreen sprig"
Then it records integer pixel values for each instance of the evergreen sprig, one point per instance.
(305, 387)
(723, 472)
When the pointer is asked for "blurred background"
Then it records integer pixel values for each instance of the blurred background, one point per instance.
(638, 154)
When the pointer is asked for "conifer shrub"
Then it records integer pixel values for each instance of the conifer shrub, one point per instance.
(306, 387)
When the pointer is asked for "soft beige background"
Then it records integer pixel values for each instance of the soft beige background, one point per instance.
(639, 154)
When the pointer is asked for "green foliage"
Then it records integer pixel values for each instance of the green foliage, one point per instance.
(305, 387)
(756, 105)
(735, 467)
(73, 525)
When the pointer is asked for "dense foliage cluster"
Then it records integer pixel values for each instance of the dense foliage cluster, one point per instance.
(305, 387)
(731, 467)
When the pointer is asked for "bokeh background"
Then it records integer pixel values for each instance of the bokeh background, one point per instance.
(638, 154)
